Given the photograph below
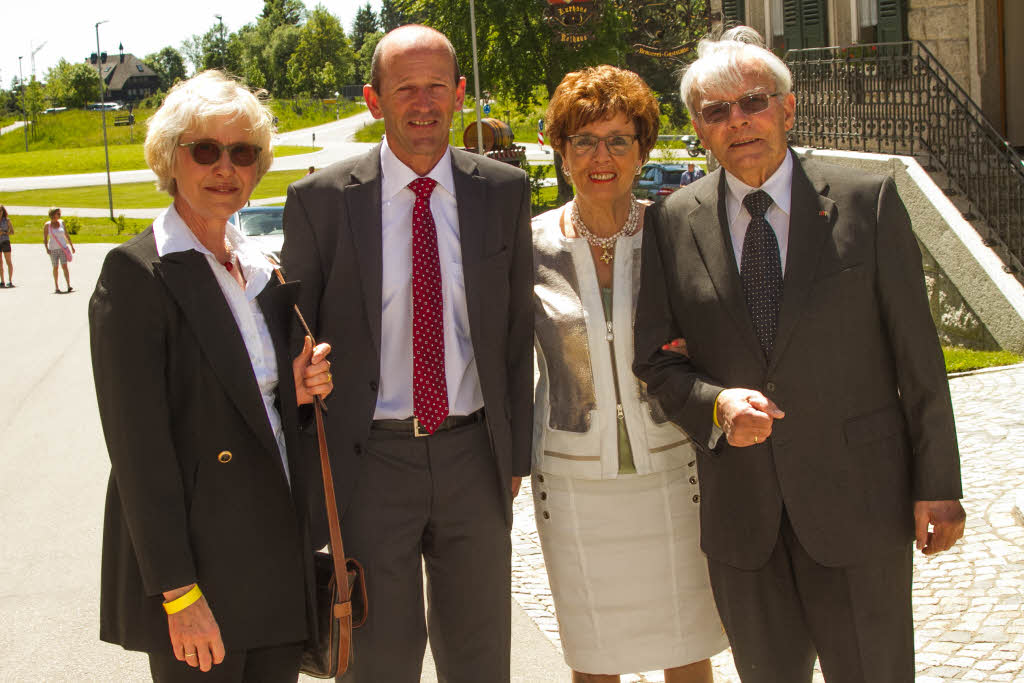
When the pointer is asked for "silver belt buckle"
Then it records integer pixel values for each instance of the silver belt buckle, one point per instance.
(416, 428)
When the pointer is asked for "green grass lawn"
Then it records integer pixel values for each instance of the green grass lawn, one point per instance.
(132, 195)
(29, 231)
(296, 114)
(959, 359)
(90, 160)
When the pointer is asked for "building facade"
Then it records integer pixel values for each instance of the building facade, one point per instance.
(128, 78)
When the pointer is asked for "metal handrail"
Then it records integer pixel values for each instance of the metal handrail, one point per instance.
(897, 98)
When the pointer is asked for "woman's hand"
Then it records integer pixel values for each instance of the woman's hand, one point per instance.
(676, 346)
(195, 636)
(312, 372)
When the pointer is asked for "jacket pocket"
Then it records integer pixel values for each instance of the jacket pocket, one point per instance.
(875, 426)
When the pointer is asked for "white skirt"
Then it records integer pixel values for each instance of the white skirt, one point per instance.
(628, 578)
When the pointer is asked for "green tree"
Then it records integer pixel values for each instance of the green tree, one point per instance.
(365, 56)
(322, 61)
(168, 64)
(281, 12)
(364, 24)
(71, 85)
(392, 15)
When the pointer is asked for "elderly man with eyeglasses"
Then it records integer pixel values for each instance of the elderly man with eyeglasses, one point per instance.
(813, 384)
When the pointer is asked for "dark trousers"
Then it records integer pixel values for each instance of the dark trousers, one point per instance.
(858, 620)
(431, 503)
(277, 664)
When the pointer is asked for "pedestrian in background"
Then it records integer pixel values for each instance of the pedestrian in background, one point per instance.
(6, 230)
(58, 245)
(690, 174)
(612, 477)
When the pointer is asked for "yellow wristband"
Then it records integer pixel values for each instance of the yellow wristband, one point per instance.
(180, 603)
(714, 413)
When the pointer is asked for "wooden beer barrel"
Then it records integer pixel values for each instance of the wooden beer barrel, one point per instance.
(497, 135)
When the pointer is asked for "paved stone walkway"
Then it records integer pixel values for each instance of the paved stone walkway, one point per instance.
(968, 602)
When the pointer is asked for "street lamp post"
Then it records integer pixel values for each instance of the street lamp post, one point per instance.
(103, 113)
(24, 114)
(223, 46)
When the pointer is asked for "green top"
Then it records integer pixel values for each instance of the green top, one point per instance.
(626, 464)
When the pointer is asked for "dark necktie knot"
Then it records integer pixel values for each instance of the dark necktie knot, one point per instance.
(757, 203)
(423, 187)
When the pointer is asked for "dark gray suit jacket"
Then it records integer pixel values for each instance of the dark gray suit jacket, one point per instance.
(176, 389)
(333, 247)
(856, 366)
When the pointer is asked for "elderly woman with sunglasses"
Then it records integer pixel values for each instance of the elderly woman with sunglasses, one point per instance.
(614, 482)
(206, 553)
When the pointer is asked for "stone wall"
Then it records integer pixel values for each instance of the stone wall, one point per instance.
(954, 319)
(944, 27)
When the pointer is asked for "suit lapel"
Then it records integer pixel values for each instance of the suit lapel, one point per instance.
(195, 289)
(810, 221)
(710, 226)
(362, 205)
(276, 302)
(471, 197)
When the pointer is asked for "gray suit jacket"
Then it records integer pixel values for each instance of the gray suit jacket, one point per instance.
(856, 366)
(333, 247)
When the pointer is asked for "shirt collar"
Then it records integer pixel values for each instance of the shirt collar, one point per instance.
(779, 186)
(396, 176)
(173, 235)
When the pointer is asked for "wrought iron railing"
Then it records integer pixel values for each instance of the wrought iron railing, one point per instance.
(897, 98)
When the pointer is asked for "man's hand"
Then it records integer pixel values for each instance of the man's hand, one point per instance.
(514, 484)
(946, 517)
(195, 636)
(746, 416)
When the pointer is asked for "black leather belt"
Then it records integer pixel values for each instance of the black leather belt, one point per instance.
(411, 426)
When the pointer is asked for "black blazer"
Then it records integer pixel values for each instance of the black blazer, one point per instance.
(333, 247)
(856, 366)
(176, 391)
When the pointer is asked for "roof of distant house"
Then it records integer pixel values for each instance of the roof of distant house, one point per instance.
(117, 72)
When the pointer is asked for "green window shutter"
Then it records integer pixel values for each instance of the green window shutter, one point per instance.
(815, 23)
(892, 21)
(792, 26)
(735, 12)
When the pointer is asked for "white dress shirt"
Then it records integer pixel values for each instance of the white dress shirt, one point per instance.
(172, 235)
(394, 398)
(780, 188)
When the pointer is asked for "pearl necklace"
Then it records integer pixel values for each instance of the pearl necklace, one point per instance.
(607, 244)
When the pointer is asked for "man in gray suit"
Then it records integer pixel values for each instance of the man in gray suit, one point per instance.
(812, 380)
(416, 264)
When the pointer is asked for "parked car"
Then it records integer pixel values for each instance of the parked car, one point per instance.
(97, 106)
(657, 181)
(265, 224)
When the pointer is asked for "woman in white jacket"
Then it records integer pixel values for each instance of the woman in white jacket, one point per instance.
(615, 483)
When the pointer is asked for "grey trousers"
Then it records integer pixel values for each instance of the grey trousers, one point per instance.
(858, 620)
(431, 503)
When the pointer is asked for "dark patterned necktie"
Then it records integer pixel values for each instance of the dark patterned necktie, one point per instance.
(761, 270)
(429, 387)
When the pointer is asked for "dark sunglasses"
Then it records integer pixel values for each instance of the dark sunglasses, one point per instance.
(207, 152)
(754, 103)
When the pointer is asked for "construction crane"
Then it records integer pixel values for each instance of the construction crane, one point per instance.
(34, 51)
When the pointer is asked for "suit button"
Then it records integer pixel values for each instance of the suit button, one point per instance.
(546, 515)
(543, 495)
(357, 449)
(224, 457)
(696, 499)
(693, 480)
(770, 386)
(373, 386)
(691, 463)
(540, 478)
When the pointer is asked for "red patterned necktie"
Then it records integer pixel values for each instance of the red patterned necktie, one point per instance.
(429, 387)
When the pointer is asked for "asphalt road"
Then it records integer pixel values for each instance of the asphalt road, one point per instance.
(53, 474)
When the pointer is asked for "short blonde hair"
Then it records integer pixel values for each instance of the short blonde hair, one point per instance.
(724, 65)
(189, 105)
(597, 93)
(52, 211)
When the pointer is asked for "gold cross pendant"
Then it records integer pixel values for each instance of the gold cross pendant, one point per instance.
(607, 256)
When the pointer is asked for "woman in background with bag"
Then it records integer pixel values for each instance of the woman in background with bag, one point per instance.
(207, 563)
(58, 245)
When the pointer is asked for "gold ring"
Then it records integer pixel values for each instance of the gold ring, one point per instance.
(755, 438)
(328, 377)
(190, 654)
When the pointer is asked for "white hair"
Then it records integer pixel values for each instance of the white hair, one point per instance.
(189, 105)
(724, 65)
